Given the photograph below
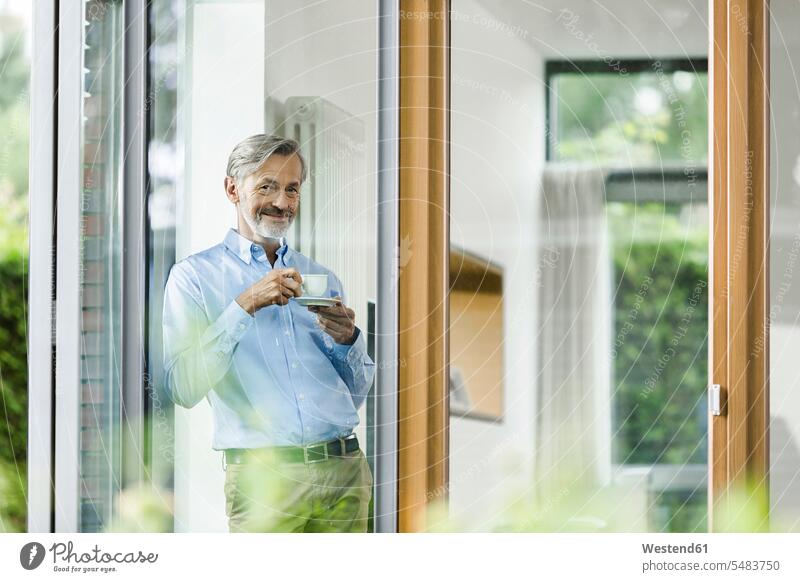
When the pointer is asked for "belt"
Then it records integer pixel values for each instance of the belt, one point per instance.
(313, 453)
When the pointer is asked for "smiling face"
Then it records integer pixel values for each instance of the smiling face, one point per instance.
(269, 198)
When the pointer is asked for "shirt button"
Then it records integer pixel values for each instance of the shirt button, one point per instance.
(287, 332)
(294, 364)
(302, 396)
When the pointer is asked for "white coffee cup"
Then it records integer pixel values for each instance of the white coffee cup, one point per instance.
(314, 285)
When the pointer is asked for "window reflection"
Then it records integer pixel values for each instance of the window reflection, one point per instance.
(15, 104)
(784, 299)
(579, 156)
(101, 255)
(285, 382)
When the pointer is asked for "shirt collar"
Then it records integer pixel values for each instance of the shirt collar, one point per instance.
(247, 250)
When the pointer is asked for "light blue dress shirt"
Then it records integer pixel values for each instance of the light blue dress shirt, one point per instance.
(273, 378)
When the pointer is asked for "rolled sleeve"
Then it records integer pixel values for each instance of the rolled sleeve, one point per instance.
(353, 353)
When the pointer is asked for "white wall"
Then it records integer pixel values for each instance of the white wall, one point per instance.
(221, 100)
(497, 133)
(594, 29)
(329, 50)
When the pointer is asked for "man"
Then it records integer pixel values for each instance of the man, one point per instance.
(284, 381)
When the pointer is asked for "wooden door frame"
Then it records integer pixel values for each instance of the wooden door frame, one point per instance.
(423, 389)
(739, 266)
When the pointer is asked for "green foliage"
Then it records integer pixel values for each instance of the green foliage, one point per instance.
(661, 300)
(14, 113)
(13, 395)
(682, 511)
(746, 509)
(13, 228)
(638, 119)
(660, 365)
(12, 497)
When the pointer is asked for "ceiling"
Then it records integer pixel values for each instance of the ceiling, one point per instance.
(592, 29)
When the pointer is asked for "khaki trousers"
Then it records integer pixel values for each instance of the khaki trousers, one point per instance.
(267, 494)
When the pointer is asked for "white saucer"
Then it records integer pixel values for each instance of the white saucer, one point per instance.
(317, 301)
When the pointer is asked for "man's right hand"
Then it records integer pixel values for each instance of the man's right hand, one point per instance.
(274, 288)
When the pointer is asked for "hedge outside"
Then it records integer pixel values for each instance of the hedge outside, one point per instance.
(13, 394)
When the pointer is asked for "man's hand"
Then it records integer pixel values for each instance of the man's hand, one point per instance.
(274, 288)
(338, 321)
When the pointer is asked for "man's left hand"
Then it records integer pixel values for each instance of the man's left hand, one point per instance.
(338, 321)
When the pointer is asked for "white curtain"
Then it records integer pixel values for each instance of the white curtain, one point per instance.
(573, 408)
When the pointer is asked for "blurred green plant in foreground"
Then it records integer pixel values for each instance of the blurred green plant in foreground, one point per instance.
(567, 503)
(13, 396)
(143, 508)
(14, 113)
(571, 504)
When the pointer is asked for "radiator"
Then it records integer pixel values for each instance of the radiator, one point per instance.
(335, 224)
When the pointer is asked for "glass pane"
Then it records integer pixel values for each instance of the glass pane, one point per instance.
(784, 300)
(15, 64)
(639, 118)
(101, 256)
(579, 258)
(305, 71)
(659, 354)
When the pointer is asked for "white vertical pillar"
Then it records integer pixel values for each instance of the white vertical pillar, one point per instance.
(41, 283)
(68, 269)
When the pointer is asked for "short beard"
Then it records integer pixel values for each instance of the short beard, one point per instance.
(264, 230)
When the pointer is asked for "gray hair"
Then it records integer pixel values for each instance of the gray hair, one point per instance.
(253, 151)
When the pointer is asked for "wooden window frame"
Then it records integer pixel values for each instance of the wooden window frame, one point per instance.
(739, 274)
(423, 388)
(738, 270)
